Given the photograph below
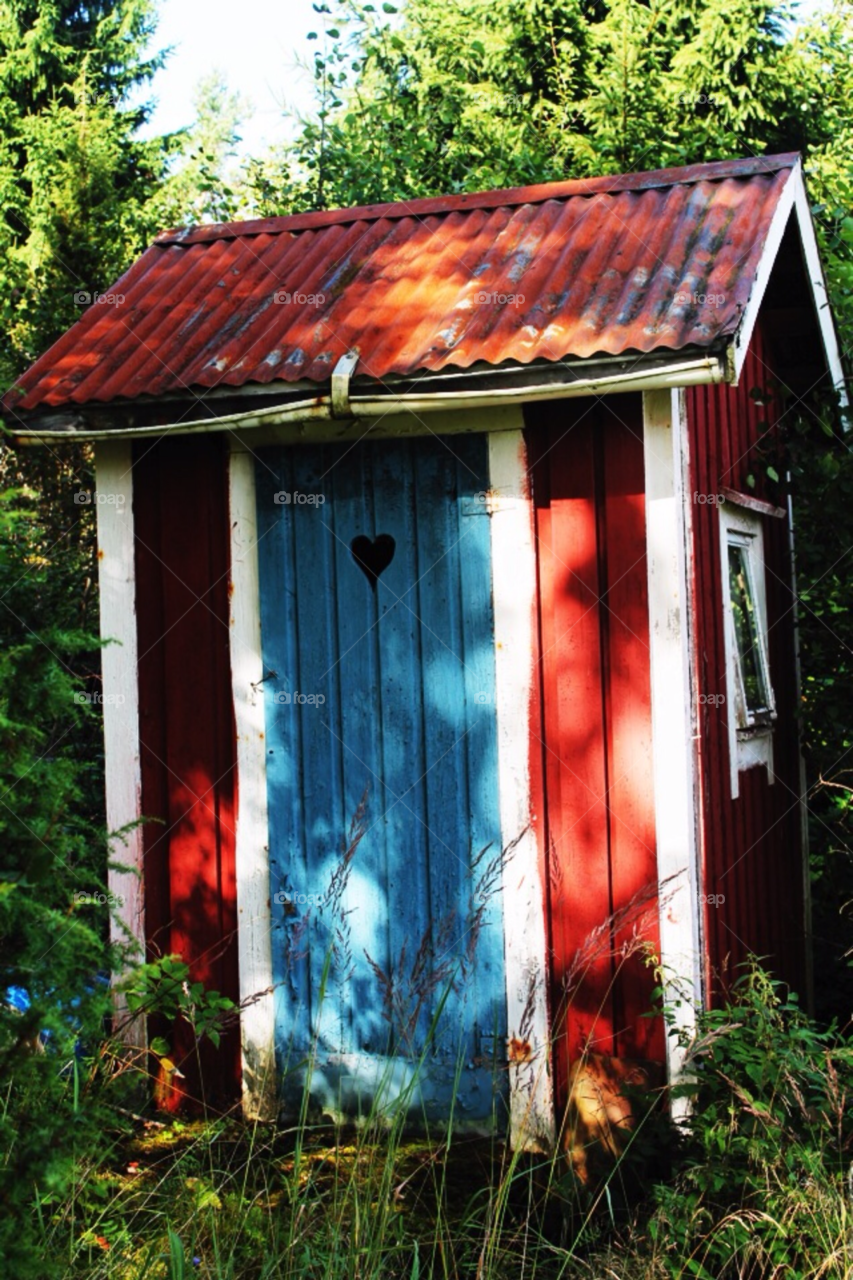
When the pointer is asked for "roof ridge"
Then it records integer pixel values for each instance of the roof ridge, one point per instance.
(610, 184)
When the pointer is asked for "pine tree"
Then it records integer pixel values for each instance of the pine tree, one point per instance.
(76, 188)
(74, 181)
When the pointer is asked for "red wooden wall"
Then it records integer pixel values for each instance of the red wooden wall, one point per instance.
(186, 730)
(591, 758)
(751, 847)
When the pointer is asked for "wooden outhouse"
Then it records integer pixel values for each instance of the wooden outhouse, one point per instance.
(453, 621)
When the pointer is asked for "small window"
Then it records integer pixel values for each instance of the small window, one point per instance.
(753, 695)
(749, 698)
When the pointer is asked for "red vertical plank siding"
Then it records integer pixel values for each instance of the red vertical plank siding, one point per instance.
(591, 742)
(751, 846)
(187, 732)
(625, 621)
(709, 641)
(152, 699)
(572, 694)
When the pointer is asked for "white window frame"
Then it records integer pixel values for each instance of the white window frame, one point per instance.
(750, 740)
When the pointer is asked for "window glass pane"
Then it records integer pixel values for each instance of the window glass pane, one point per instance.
(746, 629)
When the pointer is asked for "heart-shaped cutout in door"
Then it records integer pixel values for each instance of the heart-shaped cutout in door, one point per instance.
(373, 555)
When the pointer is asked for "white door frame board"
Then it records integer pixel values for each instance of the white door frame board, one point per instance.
(668, 548)
(120, 690)
(254, 945)
(525, 953)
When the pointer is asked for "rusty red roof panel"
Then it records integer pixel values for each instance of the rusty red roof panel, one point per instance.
(637, 263)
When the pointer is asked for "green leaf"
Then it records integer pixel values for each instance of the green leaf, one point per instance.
(695, 1268)
(177, 1257)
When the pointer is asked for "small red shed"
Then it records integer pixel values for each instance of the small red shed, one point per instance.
(453, 638)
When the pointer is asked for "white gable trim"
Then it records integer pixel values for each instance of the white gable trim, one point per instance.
(817, 280)
(793, 199)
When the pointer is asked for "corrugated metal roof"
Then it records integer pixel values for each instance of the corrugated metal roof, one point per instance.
(642, 262)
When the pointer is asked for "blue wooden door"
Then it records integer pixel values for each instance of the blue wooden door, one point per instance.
(377, 629)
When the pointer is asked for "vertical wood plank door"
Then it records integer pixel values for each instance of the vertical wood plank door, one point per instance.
(377, 636)
(591, 742)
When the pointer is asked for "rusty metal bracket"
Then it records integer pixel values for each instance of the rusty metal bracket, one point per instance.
(341, 375)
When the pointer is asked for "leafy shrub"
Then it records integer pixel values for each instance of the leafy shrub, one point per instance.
(760, 1189)
(163, 986)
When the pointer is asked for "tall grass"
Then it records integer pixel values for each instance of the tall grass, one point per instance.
(393, 1195)
(224, 1198)
(758, 1189)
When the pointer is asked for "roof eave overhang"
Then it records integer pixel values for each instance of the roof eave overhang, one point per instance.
(793, 202)
(344, 401)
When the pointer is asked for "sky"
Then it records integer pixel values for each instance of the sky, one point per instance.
(256, 43)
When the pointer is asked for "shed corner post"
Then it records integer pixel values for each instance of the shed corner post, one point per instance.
(668, 549)
(120, 692)
(254, 945)
(808, 929)
(525, 950)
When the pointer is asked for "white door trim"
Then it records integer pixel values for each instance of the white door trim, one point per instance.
(120, 690)
(254, 946)
(668, 533)
(525, 956)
